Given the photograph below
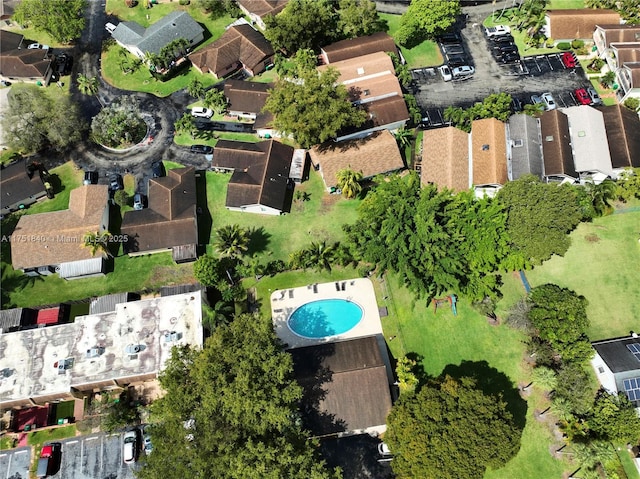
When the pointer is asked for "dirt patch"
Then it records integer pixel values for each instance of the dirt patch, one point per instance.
(170, 275)
(328, 201)
(592, 238)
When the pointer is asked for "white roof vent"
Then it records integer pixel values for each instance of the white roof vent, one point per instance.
(518, 143)
(360, 71)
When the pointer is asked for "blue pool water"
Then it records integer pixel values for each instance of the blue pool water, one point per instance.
(326, 317)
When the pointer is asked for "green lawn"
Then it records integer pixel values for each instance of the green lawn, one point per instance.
(65, 178)
(607, 95)
(519, 37)
(38, 438)
(565, 4)
(320, 218)
(211, 138)
(602, 264)
(31, 35)
(426, 54)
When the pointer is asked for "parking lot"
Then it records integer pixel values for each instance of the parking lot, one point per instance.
(532, 76)
(14, 463)
(96, 456)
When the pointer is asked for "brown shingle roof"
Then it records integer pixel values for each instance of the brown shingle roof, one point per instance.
(357, 47)
(345, 384)
(261, 172)
(246, 96)
(445, 158)
(10, 41)
(170, 219)
(53, 238)
(489, 152)
(385, 111)
(620, 33)
(578, 23)
(263, 7)
(360, 69)
(373, 155)
(27, 63)
(16, 185)
(623, 135)
(556, 144)
(633, 70)
(240, 43)
(627, 52)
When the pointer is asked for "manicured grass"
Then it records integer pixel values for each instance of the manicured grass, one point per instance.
(320, 218)
(518, 36)
(211, 138)
(630, 468)
(602, 264)
(65, 178)
(565, 4)
(265, 77)
(443, 340)
(607, 94)
(426, 54)
(37, 438)
(141, 79)
(31, 35)
(171, 165)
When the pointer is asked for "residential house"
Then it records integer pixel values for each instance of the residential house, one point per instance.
(524, 147)
(574, 24)
(97, 352)
(445, 159)
(591, 157)
(556, 147)
(617, 366)
(488, 155)
(47, 243)
(256, 10)
(606, 34)
(20, 64)
(374, 155)
(372, 85)
(240, 47)
(345, 387)
(621, 54)
(140, 41)
(21, 186)
(260, 179)
(246, 99)
(623, 135)
(170, 221)
(628, 81)
(358, 47)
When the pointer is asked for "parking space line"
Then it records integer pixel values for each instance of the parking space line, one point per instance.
(101, 455)
(81, 454)
(72, 442)
(20, 452)
(9, 466)
(91, 438)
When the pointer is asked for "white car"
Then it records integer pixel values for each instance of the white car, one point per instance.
(548, 101)
(36, 46)
(110, 27)
(497, 31)
(463, 71)
(130, 447)
(201, 112)
(445, 71)
(383, 450)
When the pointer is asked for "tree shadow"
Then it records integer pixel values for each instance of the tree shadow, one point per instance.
(13, 281)
(56, 183)
(205, 223)
(492, 382)
(259, 239)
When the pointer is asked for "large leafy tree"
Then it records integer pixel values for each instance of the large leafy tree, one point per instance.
(62, 19)
(450, 429)
(302, 24)
(357, 18)
(230, 411)
(559, 317)
(614, 418)
(313, 110)
(424, 19)
(35, 120)
(207, 270)
(540, 217)
(119, 124)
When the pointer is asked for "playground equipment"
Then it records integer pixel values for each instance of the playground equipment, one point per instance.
(439, 302)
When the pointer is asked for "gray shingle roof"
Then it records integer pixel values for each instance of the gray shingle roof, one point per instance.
(616, 355)
(525, 146)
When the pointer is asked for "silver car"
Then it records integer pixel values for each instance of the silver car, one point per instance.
(548, 101)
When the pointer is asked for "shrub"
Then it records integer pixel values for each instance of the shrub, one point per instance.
(550, 42)
(596, 65)
(632, 104)
(577, 44)
(564, 46)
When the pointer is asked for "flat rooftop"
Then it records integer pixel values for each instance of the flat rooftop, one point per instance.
(360, 291)
(132, 341)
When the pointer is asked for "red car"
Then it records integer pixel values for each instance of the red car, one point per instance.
(569, 60)
(582, 96)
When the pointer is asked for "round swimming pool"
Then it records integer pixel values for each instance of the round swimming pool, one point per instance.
(325, 317)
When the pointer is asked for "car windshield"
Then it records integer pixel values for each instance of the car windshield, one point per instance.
(128, 440)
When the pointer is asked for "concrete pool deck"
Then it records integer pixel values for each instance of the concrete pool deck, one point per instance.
(360, 291)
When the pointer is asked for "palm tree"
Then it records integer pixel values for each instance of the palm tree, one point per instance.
(601, 195)
(218, 314)
(404, 137)
(232, 240)
(97, 242)
(349, 182)
(216, 100)
(319, 255)
(608, 78)
(195, 88)
(544, 378)
(186, 123)
(88, 85)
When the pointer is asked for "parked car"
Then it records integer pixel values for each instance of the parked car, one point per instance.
(463, 71)
(516, 105)
(457, 61)
(110, 27)
(63, 64)
(536, 100)
(138, 201)
(157, 169)
(115, 182)
(90, 178)
(509, 57)
(549, 101)
(497, 30)
(595, 98)
(454, 49)
(35, 46)
(130, 447)
(503, 39)
(502, 49)
(445, 71)
(582, 96)
(49, 456)
(204, 149)
(383, 450)
(568, 60)
(201, 112)
(449, 37)
(146, 441)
